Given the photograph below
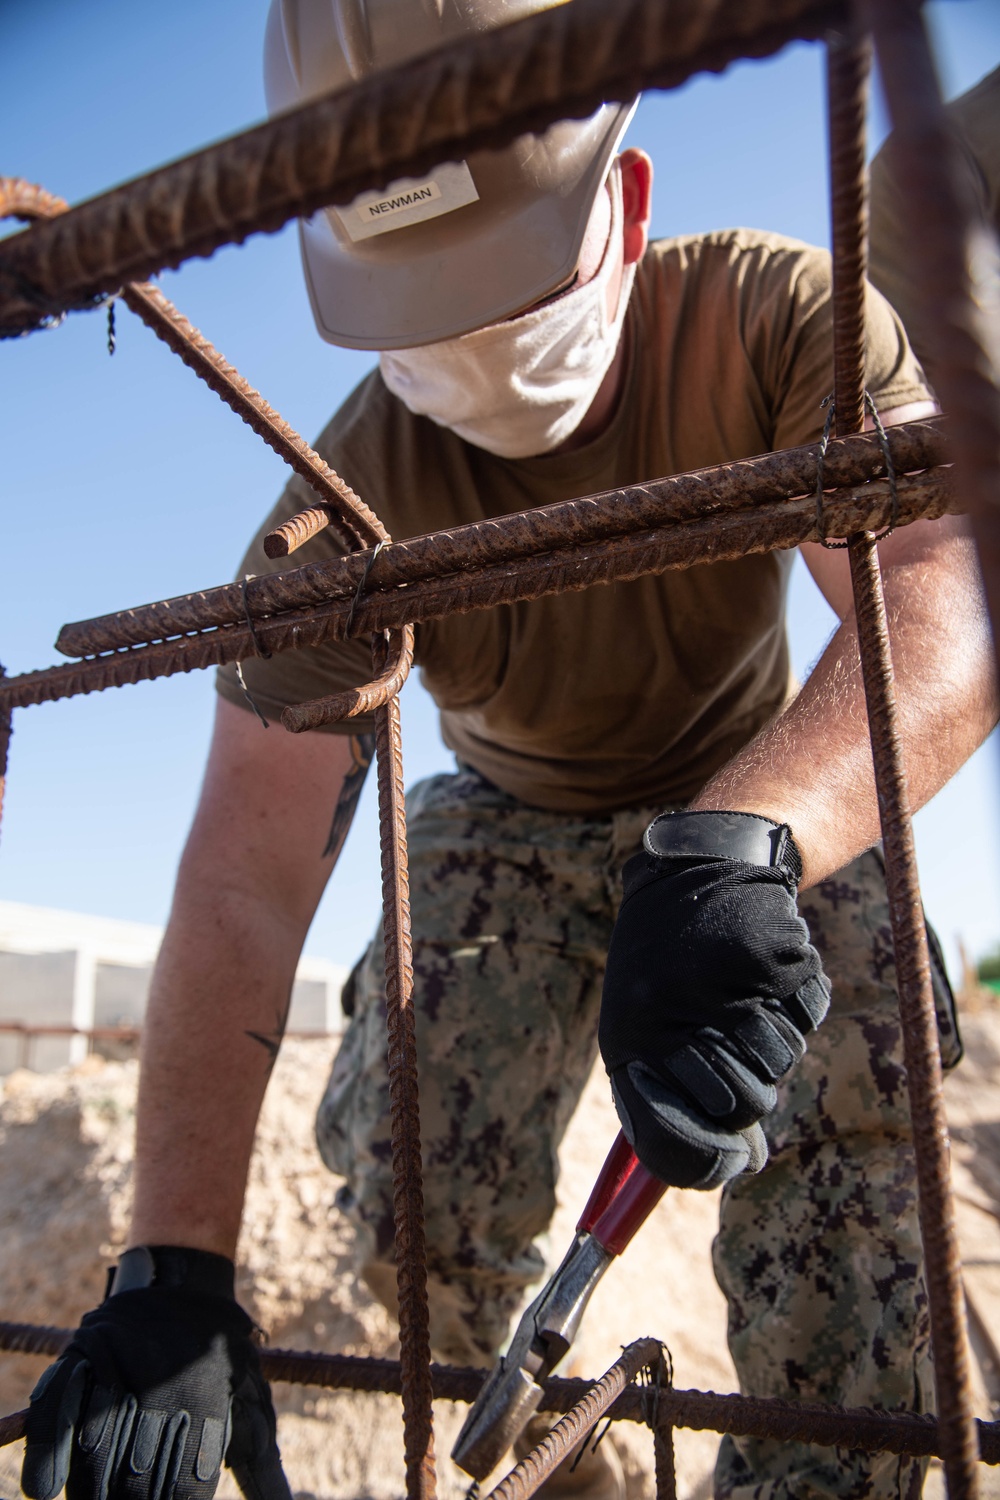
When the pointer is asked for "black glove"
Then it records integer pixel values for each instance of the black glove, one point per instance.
(711, 984)
(158, 1385)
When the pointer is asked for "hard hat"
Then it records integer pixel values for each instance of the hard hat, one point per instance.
(468, 244)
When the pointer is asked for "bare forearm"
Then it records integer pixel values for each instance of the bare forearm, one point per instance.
(255, 865)
(216, 1016)
(812, 767)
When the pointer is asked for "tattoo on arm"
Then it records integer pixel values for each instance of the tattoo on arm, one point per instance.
(362, 752)
(271, 1040)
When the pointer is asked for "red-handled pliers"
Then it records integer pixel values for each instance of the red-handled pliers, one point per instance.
(624, 1196)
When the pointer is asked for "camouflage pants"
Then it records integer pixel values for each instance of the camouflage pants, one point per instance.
(819, 1255)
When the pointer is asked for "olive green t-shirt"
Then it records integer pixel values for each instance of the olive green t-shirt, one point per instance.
(626, 694)
(975, 123)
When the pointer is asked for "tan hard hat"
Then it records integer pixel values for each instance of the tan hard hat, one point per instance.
(471, 242)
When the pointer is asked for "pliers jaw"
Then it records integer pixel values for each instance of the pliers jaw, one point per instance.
(512, 1392)
(622, 1199)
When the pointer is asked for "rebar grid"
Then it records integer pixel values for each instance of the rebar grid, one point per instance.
(862, 1429)
(848, 67)
(547, 67)
(530, 574)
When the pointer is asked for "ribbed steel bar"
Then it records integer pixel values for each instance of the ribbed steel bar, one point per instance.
(532, 1471)
(6, 730)
(288, 538)
(26, 200)
(781, 525)
(848, 71)
(364, 700)
(407, 1177)
(476, 93)
(946, 242)
(348, 514)
(848, 67)
(864, 1429)
(352, 519)
(704, 495)
(664, 1465)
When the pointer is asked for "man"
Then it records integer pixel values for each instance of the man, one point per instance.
(534, 349)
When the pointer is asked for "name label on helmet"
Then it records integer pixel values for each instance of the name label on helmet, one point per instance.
(409, 200)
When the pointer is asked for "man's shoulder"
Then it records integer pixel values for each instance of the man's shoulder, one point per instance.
(735, 254)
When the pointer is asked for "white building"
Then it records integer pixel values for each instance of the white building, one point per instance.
(63, 968)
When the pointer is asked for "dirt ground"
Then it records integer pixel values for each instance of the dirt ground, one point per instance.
(65, 1149)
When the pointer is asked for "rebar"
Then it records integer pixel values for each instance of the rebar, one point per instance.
(350, 517)
(6, 730)
(563, 570)
(532, 1471)
(848, 66)
(477, 93)
(945, 240)
(407, 1177)
(701, 496)
(348, 705)
(341, 507)
(745, 1416)
(296, 531)
(664, 1465)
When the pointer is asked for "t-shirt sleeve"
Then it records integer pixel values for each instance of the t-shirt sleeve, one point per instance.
(788, 323)
(314, 671)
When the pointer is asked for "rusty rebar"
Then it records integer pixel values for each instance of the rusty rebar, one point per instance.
(864, 1429)
(26, 200)
(848, 67)
(407, 1178)
(526, 1476)
(703, 495)
(341, 507)
(848, 63)
(349, 515)
(298, 717)
(946, 238)
(6, 730)
(664, 1464)
(475, 93)
(296, 531)
(716, 539)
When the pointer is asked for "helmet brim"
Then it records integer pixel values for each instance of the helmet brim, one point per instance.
(477, 264)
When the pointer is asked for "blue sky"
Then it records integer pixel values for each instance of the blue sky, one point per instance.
(123, 480)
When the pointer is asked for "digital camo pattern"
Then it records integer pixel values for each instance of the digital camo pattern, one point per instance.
(819, 1255)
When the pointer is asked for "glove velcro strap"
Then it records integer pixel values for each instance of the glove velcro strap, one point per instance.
(747, 837)
(172, 1267)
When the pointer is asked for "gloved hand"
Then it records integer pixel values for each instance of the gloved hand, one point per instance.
(710, 988)
(158, 1386)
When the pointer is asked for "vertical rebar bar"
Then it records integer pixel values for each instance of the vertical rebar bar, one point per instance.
(947, 242)
(407, 1183)
(663, 1460)
(6, 729)
(848, 66)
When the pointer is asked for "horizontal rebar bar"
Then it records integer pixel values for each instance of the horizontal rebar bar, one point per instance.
(744, 1416)
(479, 92)
(697, 496)
(781, 525)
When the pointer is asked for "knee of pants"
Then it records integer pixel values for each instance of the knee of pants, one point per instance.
(821, 1263)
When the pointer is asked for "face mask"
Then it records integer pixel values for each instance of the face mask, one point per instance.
(521, 387)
